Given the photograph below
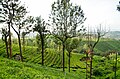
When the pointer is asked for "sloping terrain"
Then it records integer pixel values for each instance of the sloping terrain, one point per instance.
(103, 67)
(10, 69)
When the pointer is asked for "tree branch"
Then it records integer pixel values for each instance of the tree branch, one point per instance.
(15, 30)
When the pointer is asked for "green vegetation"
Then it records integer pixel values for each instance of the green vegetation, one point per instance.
(10, 69)
(59, 44)
(105, 45)
(103, 67)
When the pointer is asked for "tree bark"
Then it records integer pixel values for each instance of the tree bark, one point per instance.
(91, 57)
(42, 42)
(19, 41)
(6, 43)
(10, 44)
(63, 56)
(20, 47)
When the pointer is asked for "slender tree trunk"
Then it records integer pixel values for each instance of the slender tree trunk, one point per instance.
(10, 44)
(69, 61)
(20, 47)
(91, 67)
(63, 56)
(6, 43)
(42, 42)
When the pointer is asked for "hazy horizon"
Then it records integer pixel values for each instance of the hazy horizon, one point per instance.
(97, 12)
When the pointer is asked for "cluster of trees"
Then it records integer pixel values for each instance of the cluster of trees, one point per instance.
(12, 14)
(65, 18)
(66, 21)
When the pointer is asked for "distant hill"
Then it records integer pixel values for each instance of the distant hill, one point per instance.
(113, 35)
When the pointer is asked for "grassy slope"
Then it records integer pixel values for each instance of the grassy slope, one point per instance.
(32, 56)
(54, 57)
(105, 45)
(10, 69)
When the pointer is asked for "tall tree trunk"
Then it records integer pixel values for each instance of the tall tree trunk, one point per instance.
(10, 44)
(42, 42)
(69, 61)
(63, 56)
(91, 67)
(20, 47)
(6, 43)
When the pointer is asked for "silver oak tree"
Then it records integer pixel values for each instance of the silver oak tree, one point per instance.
(65, 19)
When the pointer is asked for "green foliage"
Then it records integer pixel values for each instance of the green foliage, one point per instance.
(72, 44)
(10, 69)
(65, 19)
(11, 10)
(102, 66)
(4, 32)
(104, 46)
(98, 72)
(40, 26)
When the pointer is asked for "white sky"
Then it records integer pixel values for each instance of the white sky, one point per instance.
(97, 11)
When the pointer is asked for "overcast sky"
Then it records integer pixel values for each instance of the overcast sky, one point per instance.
(97, 11)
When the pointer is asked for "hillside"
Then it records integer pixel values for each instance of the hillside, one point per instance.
(10, 69)
(103, 66)
(113, 35)
(49, 40)
(104, 46)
